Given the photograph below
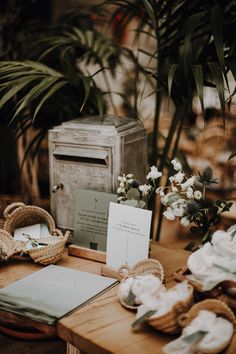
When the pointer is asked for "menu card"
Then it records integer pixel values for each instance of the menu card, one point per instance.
(128, 235)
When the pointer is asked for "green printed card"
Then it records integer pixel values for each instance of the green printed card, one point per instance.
(91, 218)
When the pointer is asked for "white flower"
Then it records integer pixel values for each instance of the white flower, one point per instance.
(144, 189)
(129, 176)
(176, 165)
(169, 214)
(154, 173)
(178, 178)
(189, 193)
(120, 198)
(122, 184)
(164, 200)
(160, 191)
(120, 190)
(188, 183)
(179, 203)
(178, 211)
(184, 221)
(130, 181)
(197, 195)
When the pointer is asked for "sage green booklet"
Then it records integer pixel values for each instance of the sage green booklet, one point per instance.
(52, 293)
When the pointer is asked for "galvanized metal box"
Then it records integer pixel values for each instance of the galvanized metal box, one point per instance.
(90, 153)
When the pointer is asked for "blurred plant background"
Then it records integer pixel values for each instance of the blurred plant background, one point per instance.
(169, 63)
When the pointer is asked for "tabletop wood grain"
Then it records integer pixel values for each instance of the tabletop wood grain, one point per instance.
(103, 325)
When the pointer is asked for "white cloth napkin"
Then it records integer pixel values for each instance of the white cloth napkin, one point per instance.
(217, 336)
(166, 300)
(215, 261)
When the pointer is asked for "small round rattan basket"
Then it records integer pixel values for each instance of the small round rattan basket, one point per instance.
(20, 215)
(220, 309)
(9, 246)
(144, 267)
(168, 323)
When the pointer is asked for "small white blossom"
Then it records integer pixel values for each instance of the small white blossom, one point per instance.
(189, 193)
(160, 191)
(130, 175)
(120, 190)
(120, 178)
(178, 177)
(188, 183)
(144, 189)
(169, 214)
(184, 221)
(197, 195)
(154, 173)
(130, 181)
(122, 184)
(164, 200)
(176, 165)
(178, 211)
(120, 198)
(179, 203)
(162, 194)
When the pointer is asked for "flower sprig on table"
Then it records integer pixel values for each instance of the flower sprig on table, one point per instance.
(131, 193)
(184, 199)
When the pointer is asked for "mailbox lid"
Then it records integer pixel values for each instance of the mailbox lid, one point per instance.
(107, 123)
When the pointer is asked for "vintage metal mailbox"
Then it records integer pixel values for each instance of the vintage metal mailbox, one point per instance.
(90, 153)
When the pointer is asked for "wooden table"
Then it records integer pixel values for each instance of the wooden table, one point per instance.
(103, 326)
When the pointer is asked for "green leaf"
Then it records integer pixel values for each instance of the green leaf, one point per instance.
(192, 23)
(53, 89)
(233, 154)
(100, 102)
(198, 78)
(133, 193)
(151, 13)
(194, 337)
(13, 91)
(130, 300)
(171, 74)
(217, 30)
(86, 82)
(218, 81)
(32, 94)
(143, 318)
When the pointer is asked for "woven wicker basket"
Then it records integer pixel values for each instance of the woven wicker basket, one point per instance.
(8, 246)
(20, 215)
(168, 323)
(218, 292)
(220, 309)
(144, 267)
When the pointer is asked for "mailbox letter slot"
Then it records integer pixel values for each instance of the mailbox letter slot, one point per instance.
(84, 156)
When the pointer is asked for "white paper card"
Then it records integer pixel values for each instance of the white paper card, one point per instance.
(35, 231)
(128, 235)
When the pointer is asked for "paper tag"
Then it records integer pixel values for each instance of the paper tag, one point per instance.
(128, 235)
(35, 231)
